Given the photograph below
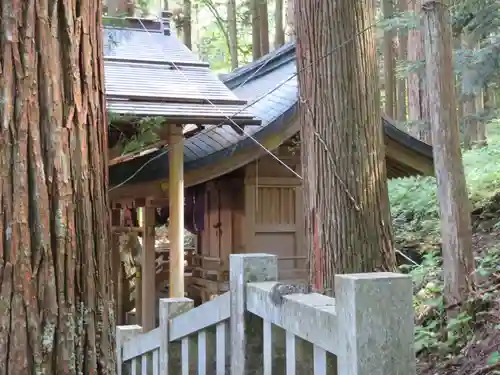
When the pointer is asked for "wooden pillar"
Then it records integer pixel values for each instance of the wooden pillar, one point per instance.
(116, 267)
(138, 272)
(148, 274)
(176, 204)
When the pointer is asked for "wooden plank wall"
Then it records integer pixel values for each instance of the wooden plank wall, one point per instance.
(273, 213)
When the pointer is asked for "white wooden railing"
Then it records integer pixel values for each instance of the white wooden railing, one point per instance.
(368, 327)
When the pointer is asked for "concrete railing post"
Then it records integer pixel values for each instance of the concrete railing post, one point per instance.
(124, 333)
(375, 324)
(245, 268)
(169, 309)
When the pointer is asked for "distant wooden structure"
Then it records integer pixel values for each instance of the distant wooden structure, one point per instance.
(246, 200)
(149, 73)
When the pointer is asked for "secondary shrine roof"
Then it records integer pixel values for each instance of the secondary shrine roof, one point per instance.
(271, 86)
(149, 73)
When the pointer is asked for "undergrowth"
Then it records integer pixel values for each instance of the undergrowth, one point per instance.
(470, 342)
(414, 205)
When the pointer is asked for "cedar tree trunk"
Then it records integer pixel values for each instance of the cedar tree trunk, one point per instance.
(348, 227)
(455, 207)
(55, 299)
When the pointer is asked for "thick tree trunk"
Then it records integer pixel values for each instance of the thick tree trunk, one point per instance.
(348, 227)
(418, 100)
(232, 31)
(56, 300)
(389, 63)
(290, 21)
(279, 31)
(256, 47)
(455, 208)
(402, 56)
(264, 27)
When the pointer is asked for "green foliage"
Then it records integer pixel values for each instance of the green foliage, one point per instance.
(494, 358)
(488, 262)
(414, 204)
(146, 135)
(400, 21)
(416, 221)
(435, 332)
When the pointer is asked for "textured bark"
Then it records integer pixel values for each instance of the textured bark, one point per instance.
(455, 207)
(402, 56)
(186, 24)
(389, 63)
(348, 227)
(256, 47)
(418, 100)
(264, 27)
(232, 31)
(290, 21)
(55, 295)
(279, 31)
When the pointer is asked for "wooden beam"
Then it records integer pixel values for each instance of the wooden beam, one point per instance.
(148, 285)
(209, 172)
(125, 229)
(176, 203)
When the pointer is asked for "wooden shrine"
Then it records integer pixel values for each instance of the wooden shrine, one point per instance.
(210, 171)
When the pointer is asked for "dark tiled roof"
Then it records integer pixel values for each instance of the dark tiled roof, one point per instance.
(271, 86)
(148, 73)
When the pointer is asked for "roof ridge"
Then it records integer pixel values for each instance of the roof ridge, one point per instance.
(260, 67)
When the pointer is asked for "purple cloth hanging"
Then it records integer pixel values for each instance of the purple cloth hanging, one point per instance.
(194, 210)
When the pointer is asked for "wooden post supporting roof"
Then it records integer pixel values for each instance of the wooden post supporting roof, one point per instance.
(116, 266)
(176, 204)
(148, 284)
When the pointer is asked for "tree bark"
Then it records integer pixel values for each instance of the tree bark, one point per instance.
(186, 25)
(279, 31)
(389, 63)
(264, 27)
(290, 21)
(56, 300)
(232, 31)
(455, 207)
(418, 99)
(256, 46)
(402, 56)
(348, 227)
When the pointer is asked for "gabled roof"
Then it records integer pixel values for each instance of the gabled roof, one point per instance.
(277, 67)
(270, 86)
(149, 72)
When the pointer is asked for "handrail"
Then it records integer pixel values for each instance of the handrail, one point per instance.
(141, 344)
(204, 316)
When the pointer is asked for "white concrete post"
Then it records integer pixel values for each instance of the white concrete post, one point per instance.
(169, 309)
(244, 268)
(375, 324)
